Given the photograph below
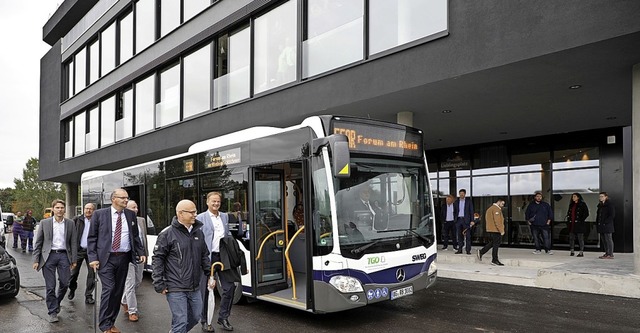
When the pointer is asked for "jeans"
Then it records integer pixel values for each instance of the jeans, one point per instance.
(572, 241)
(607, 241)
(449, 228)
(56, 262)
(134, 278)
(186, 307)
(546, 236)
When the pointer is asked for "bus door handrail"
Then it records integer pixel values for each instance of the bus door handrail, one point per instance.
(265, 240)
(286, 255)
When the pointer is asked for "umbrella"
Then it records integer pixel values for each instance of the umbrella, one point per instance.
(211, 305)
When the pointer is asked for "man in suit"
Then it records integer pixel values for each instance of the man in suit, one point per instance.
(113, 243)
(463, 212)
(215, 227)
(448, 223)
(134, 275)
(365, 212)
(55, 251)
(83, 222)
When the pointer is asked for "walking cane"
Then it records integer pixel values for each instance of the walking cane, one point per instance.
(212, 298)
(95, 306)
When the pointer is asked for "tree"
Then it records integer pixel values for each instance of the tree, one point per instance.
(6, 199)
(30, 193)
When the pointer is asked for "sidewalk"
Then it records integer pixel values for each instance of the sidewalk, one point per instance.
(558, 271)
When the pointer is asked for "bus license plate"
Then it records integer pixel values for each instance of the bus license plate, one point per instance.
(401, 292)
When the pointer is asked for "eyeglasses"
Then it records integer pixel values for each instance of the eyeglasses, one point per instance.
(192, 212)
(123, 198)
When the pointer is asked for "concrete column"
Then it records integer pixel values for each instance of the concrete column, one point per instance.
(71, 199)
(635, 154)
(405, 118)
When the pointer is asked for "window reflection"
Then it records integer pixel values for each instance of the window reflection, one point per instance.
(68, 138)
(332, 25)
(124, 117)
(168, 110)
(126, 38)
(145, 24)
(107, 121)
(94, 61)
(197, 81)
(145, 104)
(81, 70)
(275, 47)
(233, 57)
(108, 49)
(79, 121)
(169, 16)
(92, 129)
(193, 7)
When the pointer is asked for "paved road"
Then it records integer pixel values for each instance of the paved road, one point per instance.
(451, 306)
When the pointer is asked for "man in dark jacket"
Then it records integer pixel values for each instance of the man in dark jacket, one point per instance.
(463, 212)
(539, 216)
(180, 257)
(604, 218)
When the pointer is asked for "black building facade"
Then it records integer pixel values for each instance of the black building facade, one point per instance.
(513, 96)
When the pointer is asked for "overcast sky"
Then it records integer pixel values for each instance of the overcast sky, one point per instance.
(21, 25)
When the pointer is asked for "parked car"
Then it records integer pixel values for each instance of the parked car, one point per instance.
(9, 275)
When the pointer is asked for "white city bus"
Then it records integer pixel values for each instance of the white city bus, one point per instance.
(336, 253)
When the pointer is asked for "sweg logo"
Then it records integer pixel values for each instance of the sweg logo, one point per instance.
(421, 256)
(376, 260)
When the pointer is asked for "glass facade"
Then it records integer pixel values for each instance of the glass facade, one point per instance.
(515, 174)
(92, 129)
(251, 57)
(79, 131)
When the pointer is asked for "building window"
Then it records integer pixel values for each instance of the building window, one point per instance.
(145, 104)
(169, 16)
(108, 49)
(331, 26)
(233, 58)
(197, 82)
(126, 37)
(124, 115)
(93, 58)
(80, 70)
(396, 22)
(67, 80)
(80, 123)
(107, 121)
(168, 110)
(92, 129)
(67, 131)
(193, 7)
(145, 24)
(275, 48)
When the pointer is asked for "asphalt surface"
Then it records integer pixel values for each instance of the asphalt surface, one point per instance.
(451, 306)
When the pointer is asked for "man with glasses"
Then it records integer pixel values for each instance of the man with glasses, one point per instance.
(113, 242)
(180, 257)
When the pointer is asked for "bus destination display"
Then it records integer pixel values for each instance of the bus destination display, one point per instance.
(367, 138)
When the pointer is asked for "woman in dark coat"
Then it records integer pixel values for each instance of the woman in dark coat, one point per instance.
(606, 214)
(576, 215)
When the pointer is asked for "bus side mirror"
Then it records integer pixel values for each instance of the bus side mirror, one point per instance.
(340, 156)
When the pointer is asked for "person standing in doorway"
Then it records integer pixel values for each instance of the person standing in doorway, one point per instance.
(448, 223)
(113, 243)
(494, 221)
(215, 227)
(463, 212)
(539, 216)
(604, 219)
(55, 252)
(134, 275)
(576, 215)
(83, 223)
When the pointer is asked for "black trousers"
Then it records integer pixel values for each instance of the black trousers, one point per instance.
(91, 275)
(228, 290)
(113, 277)
(494, 244)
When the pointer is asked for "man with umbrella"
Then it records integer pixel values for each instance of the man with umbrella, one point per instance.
(180, 257)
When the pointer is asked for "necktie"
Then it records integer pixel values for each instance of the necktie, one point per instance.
(118, 233)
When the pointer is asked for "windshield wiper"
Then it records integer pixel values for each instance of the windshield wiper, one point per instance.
(419, 236)
(364, 247)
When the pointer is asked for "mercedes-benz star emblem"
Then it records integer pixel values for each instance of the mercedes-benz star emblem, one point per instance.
(400, 275)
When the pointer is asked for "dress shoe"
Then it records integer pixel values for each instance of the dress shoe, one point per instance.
(572, 254)
(207, 328)
(89, 300)
(580, 254)
(125, 308)
(225, 324)
(72, 294)
(53, 318)
(459, 252)
(497, 263)
(479, 255)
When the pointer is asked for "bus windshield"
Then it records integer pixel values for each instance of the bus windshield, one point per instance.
(384, 206)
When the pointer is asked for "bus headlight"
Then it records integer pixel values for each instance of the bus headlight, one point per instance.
(432, 268)
(346, 284)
